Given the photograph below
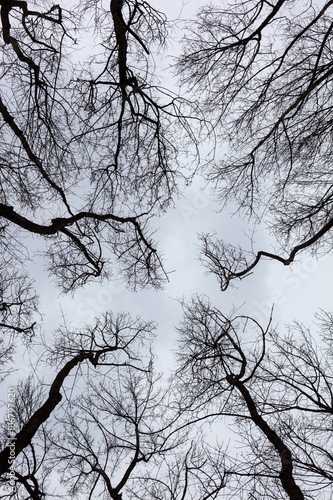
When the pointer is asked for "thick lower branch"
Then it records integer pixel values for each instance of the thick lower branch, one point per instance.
(24, 437)
(19, 329)
(60, 223)
(120, 29)
(286, 473)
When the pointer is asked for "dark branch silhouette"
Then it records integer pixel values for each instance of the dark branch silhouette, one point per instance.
(273, 388)
(265, 79)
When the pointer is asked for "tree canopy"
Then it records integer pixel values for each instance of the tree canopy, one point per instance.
(263, 72)
(94, 148)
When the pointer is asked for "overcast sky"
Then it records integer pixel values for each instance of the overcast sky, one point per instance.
(297, 291)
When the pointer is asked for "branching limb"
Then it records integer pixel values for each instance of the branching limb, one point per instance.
(223, 260)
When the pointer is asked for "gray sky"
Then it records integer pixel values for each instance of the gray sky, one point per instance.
(297, 291)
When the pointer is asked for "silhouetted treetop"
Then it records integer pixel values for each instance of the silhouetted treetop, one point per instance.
(263, 73)
(87, 144)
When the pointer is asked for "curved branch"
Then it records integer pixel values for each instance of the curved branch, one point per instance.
(60, 223)
(296, 249)
(25, 435)
(19, 329)
(286, 473)
(228, 274)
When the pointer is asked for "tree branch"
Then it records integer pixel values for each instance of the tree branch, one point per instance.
(286, 473)
(25, 435)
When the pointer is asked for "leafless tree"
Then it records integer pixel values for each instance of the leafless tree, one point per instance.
(263, 72)
(88, 148)
(105, 425)
(109, 342)
(275, 389)
(89, 152)
(30, 475)
(112, 342)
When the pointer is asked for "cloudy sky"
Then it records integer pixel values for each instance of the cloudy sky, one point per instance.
(297, 292)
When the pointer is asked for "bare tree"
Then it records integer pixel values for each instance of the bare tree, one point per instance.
(277, 391)
(27, 473)
(110, 343)
(263, 71)
(88, 148)
(89, 151)
(108, 425)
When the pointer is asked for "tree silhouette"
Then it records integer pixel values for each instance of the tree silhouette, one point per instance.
(275, 389)
(92, 151)
(88, 148)
(263, 72)
(106, 423)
